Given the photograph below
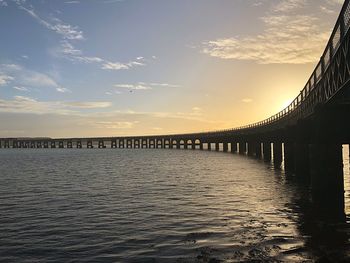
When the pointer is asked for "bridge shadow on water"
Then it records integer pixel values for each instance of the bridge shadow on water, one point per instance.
(326, 232)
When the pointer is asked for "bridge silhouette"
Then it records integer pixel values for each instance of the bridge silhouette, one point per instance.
(307, 136)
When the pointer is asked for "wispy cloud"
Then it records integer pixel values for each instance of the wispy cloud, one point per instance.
(144, 86)
(88, 104)
(20, 88)
(288, 37)
(22, 77)
(23, 104)
(65, 30)
(247, 100)
(5, 79)
(132, 86)
(69, 34)
(288, 5)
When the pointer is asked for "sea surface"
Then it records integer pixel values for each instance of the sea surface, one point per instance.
(129, 205)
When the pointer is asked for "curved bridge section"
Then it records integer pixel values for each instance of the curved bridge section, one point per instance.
(306, 137)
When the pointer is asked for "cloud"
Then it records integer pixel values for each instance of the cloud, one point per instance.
(22, 77)
(114, 124)
(288, 5)
(132, 86)
(20, 88)
(144, 86)
(5, 79)
(22, 104)
(88, 104)
(68, 51)
(287, 39)
(247, 100)
(65, 30)
(114, 66)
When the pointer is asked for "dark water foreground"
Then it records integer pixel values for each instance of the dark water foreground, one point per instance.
(157, 206)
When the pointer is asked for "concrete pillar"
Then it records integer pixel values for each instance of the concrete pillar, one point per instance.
(32, 144)
(46, 144)
(209, 146)
(14, 144)
(60, 144)
(225, 147)
(289, 162)
(201, 146)
(53, 144)
(258, 152)
(277, 153)
(0, 144)
(185, 144)
(69, 144)
(38, 145)
(89, 145)
(327, 179)
(233, 147)
(101, 144)
(217, 146)
(128, 143)
(193, 144)
(242, 148)
(251, 148)
(79, 144)
(302, 160)
(267, 151)
(121, 143)
(113, 144)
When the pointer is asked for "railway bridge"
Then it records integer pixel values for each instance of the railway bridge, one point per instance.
(306, 137)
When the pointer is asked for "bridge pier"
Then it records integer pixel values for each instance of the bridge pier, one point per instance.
(121, 143)
(217, 146)
(201, 146)
(7, 144)
(69, 144)
(53, 144)
(302, 160)
(38, 145)
(242, 148)
(233, 147)
(14, 144)
(209, 146)
(258, 153)
(267, 151)
(60, 144)
(277, 153)
(32, 144)
(289, 162)
(46, 144)
(113, 144)
(251, 148)
(225, 147)
(144, 143)
(101, 144)
(79, 145)
(90, 145)
(185, 144)
(327, 179)
(193, 144)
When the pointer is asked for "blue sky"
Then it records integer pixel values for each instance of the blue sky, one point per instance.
(104, 67)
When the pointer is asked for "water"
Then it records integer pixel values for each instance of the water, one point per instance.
(116, 205)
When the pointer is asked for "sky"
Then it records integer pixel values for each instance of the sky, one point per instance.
(140, 67)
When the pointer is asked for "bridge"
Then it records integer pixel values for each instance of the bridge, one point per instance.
(307, 136)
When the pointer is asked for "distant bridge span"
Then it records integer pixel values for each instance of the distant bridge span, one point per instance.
(307, 135)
